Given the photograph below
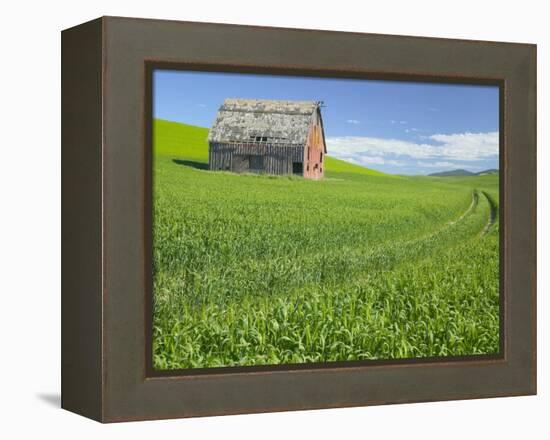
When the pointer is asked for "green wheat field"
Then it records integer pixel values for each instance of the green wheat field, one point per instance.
(263, 270)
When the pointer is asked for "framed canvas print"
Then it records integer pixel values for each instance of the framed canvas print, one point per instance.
(265, 219)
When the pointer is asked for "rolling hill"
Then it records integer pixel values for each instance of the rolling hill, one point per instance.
(488, 172)
(452, 173)
(168, 136)
(461, 172)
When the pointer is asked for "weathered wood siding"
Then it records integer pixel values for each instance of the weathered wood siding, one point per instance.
(236, 157)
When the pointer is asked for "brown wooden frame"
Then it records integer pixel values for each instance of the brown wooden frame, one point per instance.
(106, 219)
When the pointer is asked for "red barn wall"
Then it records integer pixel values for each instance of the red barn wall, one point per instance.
(314, 155)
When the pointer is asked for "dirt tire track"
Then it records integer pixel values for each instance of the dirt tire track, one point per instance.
(493, 211)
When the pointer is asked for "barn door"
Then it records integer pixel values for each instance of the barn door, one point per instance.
(298, 168)
(240, 163)
(256, 163)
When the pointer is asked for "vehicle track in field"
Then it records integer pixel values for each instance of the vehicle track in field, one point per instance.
(493, 211)
(475, 200)
(451, 223)
(476, 194)
(356, 262)
(425, 247)
(388, 257)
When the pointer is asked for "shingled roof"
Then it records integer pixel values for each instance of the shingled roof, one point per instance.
(243, 120)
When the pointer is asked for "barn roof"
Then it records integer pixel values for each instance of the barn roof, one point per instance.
(242, 120)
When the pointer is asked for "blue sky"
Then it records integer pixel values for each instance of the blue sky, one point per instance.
(391, 126)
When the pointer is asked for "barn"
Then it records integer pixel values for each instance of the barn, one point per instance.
(268, 136)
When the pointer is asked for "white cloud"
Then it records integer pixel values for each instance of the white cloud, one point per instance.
(468, 146)
(351, 145)
(368, 160)
(353, 121)
(397, 163)
(202, 105)
(449, 165)
(372, 160)
(459, 146)
(437, 164)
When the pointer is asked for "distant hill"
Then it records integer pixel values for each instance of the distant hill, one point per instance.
(490, 171)
(452, 173)
(461, 172)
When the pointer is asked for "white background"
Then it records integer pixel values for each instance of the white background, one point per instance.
(30, 218)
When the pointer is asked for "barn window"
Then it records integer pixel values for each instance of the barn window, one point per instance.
(321, 157)
(297, 168)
